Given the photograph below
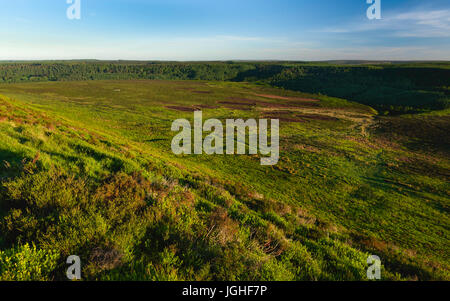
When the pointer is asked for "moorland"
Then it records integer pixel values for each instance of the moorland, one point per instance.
(86, 168)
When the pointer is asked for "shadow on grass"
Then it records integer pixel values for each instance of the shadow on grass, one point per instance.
(11, 164)
(429, 134)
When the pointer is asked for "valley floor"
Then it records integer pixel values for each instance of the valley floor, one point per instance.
(86, 168)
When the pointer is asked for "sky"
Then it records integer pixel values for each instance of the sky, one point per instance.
(186, 30)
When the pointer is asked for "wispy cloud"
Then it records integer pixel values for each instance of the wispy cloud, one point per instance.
(240, 38)
(416, 23)
(434, 23)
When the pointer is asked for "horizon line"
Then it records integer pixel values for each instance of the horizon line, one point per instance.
(221, 60)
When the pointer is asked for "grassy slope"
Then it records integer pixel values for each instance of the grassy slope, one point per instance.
(99, 180)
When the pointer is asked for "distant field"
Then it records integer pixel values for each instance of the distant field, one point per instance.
(391, 88)
(86, 168)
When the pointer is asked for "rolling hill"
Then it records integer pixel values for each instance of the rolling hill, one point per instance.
(86, 169)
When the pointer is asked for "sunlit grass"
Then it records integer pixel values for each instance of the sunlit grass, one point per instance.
(87, 169)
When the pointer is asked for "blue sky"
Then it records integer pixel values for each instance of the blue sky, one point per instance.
(224, 30)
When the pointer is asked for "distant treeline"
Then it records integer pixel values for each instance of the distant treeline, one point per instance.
(389, 88)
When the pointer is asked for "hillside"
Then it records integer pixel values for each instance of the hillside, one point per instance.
(391, 88)
(86, 169)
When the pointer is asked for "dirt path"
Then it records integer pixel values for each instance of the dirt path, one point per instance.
(287, 98)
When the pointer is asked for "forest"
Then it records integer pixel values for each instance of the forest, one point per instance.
(389, 87)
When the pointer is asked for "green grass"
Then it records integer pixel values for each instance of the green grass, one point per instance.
(86, 169)
(392, 88)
